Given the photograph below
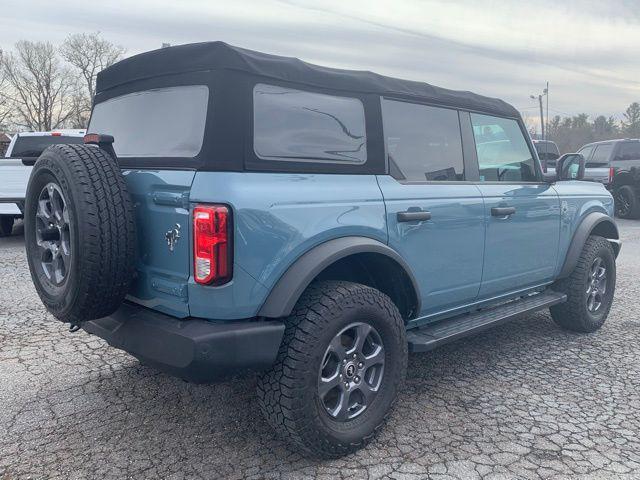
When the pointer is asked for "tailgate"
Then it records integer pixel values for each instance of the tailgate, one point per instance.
(161, 205)
(597, 174)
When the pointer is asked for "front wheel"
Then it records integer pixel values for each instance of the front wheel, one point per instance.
(340, 366)
(589, 288)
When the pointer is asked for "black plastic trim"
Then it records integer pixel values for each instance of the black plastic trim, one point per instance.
(580, 236)
(193, 349)
(297, 278)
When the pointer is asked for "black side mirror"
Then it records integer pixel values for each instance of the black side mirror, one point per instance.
(570, 166)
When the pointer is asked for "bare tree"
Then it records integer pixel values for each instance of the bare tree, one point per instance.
(39, 86)
(5, 107)
(89, 53)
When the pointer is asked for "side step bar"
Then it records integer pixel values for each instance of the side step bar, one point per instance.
(433, 335)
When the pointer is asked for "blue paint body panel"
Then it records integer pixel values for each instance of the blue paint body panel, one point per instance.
(461, 258)
(521, 249)
(577, 200)
(444, 252)
(277, 218)
(161, 201)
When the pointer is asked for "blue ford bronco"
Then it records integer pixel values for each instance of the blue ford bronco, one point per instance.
(232, 210)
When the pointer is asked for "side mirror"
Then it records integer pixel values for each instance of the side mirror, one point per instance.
(570, 166)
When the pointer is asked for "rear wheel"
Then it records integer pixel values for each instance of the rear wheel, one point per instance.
(589, 288)
(627, 203)
(338, 371)
(6, 225)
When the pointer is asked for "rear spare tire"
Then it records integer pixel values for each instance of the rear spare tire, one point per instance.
(79, 232)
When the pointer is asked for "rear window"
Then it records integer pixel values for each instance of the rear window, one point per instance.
(629, 151)
(33, 146)
(299, 126)
(547, 150)
(164, 122)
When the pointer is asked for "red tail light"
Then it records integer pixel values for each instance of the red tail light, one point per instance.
(612, 173)
(212, 248)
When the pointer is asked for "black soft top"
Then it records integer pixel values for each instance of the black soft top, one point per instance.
(197, 57)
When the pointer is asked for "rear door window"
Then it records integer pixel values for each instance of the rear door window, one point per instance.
(600, 156)
(301, 126)
(164, 122)
(628, 151)
(503, 152)
(423, 142)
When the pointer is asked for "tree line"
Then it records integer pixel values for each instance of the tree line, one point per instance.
(46, 87)
(570, 133)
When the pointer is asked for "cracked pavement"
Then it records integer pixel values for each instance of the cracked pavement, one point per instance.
(524, 400)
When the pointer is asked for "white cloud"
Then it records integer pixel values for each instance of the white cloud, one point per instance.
(587, 50)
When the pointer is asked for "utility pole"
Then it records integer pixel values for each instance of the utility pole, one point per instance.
(539, 98)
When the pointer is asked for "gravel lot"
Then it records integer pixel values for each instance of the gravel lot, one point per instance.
(525, 400)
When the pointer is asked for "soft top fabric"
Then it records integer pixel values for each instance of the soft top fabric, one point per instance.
(205, 56)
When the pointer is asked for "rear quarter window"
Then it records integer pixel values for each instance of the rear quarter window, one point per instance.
(629, 151)
(164, 122)
(302, 126)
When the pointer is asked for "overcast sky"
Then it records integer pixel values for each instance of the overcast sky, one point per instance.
(588, 50)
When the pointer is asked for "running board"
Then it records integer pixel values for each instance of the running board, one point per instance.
(438, 333)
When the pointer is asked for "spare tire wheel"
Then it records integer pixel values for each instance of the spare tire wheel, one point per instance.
(79, 232)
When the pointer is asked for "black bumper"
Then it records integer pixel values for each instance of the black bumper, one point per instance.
(194, 349)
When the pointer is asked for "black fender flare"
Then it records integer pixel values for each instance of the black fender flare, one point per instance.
(288, 289)
(588, 224)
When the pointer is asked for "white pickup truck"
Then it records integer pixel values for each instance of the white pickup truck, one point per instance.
(15, 168)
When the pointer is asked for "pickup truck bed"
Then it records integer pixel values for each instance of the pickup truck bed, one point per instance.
(15, 176)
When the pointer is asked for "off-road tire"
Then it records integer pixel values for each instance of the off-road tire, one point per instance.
(287, 393)
(630, 194)
(103, 237)
(573, 314)
(6, 225)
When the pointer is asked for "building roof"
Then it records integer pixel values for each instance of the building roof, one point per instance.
(198, 57)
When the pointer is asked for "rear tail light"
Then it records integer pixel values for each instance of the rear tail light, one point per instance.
(612, 174)
(212, 248)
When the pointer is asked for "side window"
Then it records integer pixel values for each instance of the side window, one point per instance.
(585, 152)
(629, 151)
(503, 153)
(296, 125)
(423, 143)
(600, 156)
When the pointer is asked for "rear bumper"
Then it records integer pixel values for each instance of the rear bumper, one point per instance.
(193, 349)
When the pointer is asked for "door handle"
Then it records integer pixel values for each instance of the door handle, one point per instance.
(413, 216)
(502, 211)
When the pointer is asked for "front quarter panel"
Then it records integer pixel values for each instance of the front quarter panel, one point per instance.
(577, 200)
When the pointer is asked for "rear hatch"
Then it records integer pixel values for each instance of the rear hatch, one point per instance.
(159, 129)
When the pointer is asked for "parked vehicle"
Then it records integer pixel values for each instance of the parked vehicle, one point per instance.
(235, 210)
(615, 163)
(15, 169)
(548, 153)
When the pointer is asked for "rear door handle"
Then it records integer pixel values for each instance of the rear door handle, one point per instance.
(413, 216)
(502, 211)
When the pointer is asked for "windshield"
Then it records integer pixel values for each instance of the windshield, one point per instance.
(34, 145)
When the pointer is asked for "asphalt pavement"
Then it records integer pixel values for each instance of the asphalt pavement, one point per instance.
(524, 400)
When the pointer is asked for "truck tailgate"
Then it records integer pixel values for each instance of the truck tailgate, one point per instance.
(13, 187)
(597, 174)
